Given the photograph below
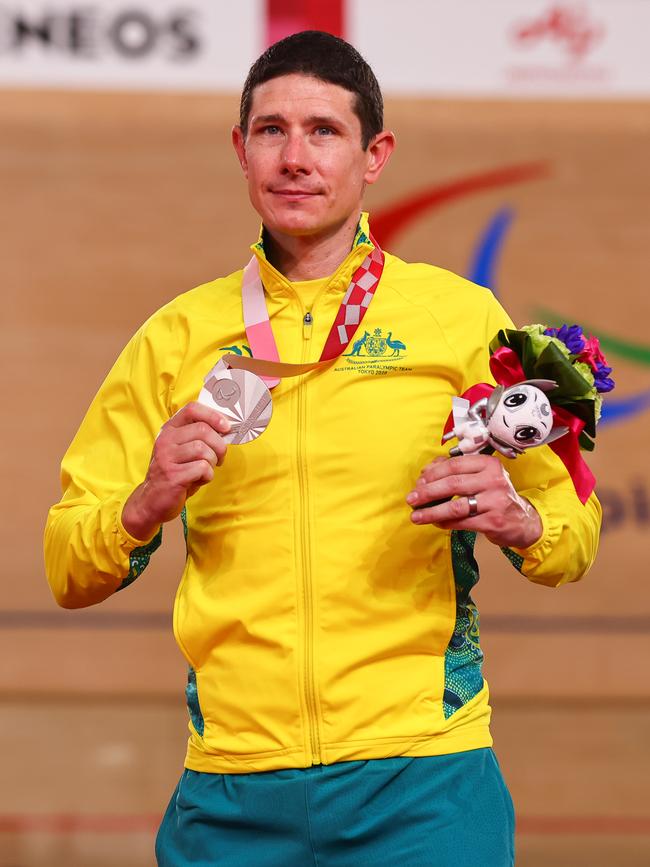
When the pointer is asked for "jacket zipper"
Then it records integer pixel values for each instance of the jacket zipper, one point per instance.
(310, 687)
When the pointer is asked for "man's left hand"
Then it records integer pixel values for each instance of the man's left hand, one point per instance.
(480, 485)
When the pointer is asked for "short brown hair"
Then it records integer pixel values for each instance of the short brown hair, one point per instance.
(328, 58)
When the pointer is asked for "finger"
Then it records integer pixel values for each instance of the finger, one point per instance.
(194, 475)
(451, 486)
(170, 438)
(198, 412)
(200, 430)
(196, 450)
(440, 469)
(456, 511)
(489, 520)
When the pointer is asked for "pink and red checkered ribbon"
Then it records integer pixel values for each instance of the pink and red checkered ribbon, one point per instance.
(266, 359)
(355, 302)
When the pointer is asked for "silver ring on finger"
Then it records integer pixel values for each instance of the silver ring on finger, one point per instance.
(472, 502)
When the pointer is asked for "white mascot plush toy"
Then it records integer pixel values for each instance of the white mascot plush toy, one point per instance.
(509, 421)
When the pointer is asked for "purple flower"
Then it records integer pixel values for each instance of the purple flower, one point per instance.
(602, 380)
(570, 335)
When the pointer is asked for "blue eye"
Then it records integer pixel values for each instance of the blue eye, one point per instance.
(325, 130)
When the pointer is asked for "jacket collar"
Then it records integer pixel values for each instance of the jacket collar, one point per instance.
(276, 283)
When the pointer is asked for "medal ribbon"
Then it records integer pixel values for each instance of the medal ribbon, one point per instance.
(266, 361)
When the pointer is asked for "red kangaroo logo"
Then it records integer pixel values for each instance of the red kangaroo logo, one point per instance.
(567, 25)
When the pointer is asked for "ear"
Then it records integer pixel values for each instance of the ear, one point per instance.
(239, 144)
(541, 384)
(379, 151)
(494, 399)
(555, 434)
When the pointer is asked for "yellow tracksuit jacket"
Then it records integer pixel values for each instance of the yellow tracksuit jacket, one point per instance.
(318, 622)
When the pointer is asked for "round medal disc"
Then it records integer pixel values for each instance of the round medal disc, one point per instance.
(245, 401)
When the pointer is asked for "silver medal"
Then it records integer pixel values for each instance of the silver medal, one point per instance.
(242, 397)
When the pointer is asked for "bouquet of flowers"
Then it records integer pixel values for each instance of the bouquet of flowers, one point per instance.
(550, 387)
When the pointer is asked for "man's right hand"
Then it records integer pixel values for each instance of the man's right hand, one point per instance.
(187, 449)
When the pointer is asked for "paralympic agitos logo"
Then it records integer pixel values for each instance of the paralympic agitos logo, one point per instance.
(568, 26)
(389, 222)
(93, 32)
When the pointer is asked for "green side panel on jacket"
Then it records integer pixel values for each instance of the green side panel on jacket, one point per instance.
(360, 237)
(463, 657)
(139, 560)
(516, 559)
(193, 706)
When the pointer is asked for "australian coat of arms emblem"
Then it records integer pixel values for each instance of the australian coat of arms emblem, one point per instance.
(376, 346)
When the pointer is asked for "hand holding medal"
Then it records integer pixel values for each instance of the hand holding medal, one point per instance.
(242, 397)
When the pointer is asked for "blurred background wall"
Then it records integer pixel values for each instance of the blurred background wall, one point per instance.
(523, 140)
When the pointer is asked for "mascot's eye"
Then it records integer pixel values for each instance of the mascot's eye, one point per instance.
(517, 398)
(526, 434)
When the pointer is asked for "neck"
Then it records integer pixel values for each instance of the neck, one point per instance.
(309, 257)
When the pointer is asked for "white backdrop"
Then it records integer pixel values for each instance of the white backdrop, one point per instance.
(512, 48)
(515, 48)
(142, 44)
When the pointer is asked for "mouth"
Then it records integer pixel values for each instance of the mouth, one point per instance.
(294, 195)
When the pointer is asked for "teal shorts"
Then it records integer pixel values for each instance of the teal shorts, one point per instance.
(434, 811)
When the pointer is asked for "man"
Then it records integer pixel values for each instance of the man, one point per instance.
(338, 714)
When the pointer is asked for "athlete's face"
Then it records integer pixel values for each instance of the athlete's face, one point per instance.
(302, 155)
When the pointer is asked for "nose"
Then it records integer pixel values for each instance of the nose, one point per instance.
(295, 155)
